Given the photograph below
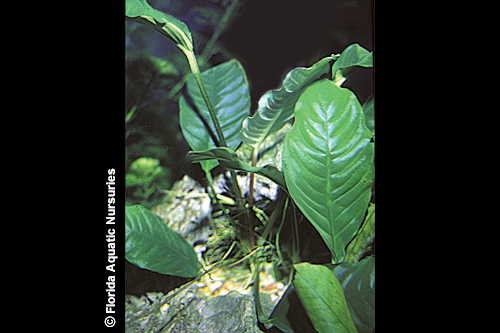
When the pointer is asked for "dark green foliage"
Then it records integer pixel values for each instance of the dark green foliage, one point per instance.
(326, 173)
(151, 244)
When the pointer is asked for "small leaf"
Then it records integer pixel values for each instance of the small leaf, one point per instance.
(276, 106)
(328, 163)
(227, 88)
(323, 298)
(175, 30)
(350, 61)
(229, 160)
(151, 244)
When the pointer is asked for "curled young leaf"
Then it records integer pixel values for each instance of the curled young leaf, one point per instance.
(276, 106)
(350, 61)
(175, 30)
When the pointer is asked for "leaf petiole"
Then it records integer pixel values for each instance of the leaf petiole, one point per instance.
(193, 65)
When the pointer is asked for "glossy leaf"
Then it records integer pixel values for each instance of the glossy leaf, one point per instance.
(151, 244)
(323, 298)
(227, 88)
(175, 30)
(350, 61)
(358, 282)
(229, 160)
(328, 163)
(276, 106)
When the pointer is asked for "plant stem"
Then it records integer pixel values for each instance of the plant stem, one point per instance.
(130, 114)
(193, 64)
(209, 49)
(252, 175)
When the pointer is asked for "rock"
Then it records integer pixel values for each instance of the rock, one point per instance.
(183, 312)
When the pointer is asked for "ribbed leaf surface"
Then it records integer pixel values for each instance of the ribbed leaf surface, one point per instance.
(328, 163)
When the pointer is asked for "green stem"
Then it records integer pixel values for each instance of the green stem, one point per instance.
(209, 49)
(278, 251)
(252, 175)
(130, 114)
(193, 64)
(295, 236)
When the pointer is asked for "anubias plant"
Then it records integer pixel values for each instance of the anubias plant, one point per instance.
(327, 174)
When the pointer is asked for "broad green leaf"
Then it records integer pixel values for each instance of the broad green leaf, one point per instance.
(175, 30)
(328, 163)
(276, 106)
(358, 282)
(229, 160)
(151, 244)
(364, 237)
(350, 61)
(227, 87)
(323, 298)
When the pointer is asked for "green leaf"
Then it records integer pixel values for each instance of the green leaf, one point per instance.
(276, 106)
(323, 298)
(365, 236)
(229, 160)
(328, 163)
(358, 282)
(350, 61)
(227, 88)
(151, 244)
(289, 314)
(175, 30)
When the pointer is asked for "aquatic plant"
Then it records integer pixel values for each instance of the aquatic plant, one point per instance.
(326, 174)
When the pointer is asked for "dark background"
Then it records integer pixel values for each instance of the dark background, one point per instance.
(271, 38)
